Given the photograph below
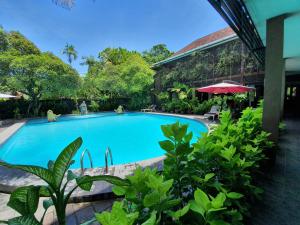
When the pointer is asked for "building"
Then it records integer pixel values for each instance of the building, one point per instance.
(210, 59)
(271, 30)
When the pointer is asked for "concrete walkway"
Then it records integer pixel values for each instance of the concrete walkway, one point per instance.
(281, 200)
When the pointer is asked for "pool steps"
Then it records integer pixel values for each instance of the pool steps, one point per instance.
(81, 160)
(108, 153)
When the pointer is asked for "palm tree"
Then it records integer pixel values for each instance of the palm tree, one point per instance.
(89, 61)
(70, 52)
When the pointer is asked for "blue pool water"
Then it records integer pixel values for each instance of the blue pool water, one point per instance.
(131, 137)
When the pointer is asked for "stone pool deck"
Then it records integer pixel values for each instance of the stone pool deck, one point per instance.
(281, 199)
(7, 131)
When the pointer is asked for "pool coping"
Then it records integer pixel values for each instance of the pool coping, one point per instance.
(11, 130)
(10, 179)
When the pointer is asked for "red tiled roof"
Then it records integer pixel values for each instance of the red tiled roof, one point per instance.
(206, 40)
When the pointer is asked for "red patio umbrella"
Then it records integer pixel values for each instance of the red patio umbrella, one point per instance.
(225, 88)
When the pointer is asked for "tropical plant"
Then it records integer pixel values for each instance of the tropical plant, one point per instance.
(117, 216)
(94, 106)
(58, 177)
(148, 199)
(210, 182)
(70, 52)
(177, 149)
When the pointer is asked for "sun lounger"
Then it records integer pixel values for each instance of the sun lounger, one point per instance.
(213, 113)
(152, 108)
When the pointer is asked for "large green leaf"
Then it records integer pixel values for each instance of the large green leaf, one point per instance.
(167, 145)
(218, 201)
(228, 152)
(179, 213)
(25, 200)
(234, 195)
(117, 216)
(86, 182)
(64, 160)
(24, 220)
(40, 172)
(168, 204)
(167, 131)
(151, 199)
(202, 199)
(151, 220)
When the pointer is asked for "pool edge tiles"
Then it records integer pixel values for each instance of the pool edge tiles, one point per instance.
(10, 131)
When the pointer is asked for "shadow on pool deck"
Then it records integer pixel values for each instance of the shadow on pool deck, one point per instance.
(281, 200)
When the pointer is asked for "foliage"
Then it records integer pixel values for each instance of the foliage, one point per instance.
(204, 66)
(38, 75)
(157, 53)
(117, 216)
(177, 149)
(120, 73)
(94, 106)
(70, 52)
(208, 207)
(149, 195)
(208, 182)
(25, 199)
(42, 76)
(184, 101)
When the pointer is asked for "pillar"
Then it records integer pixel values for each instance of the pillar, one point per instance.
(274, 76)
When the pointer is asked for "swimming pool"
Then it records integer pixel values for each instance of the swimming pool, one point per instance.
(131, 137)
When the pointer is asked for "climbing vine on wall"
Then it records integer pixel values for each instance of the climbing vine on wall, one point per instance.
(208, 66)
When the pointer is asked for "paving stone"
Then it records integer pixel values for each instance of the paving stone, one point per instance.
(281, 199)
(85, 214)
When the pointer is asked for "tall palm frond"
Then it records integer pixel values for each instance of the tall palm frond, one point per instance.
(70, 52)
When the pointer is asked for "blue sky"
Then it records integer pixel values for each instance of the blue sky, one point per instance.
(92, 25)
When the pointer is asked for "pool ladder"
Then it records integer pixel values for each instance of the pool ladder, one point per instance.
(108, 153)
(81, 160)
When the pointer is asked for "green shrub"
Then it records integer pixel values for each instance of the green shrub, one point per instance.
(94, 106)
(209, 182)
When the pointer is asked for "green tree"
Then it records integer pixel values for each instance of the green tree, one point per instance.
(157, 53)
(125, 74)
(70, 52)
(91, 63)
(20, 45)
(42, 76)
(118, 73)
(115, 56)
(3, 40)
(12, 45)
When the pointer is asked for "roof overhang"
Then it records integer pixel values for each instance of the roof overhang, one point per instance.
(248, 19)
(200, 48)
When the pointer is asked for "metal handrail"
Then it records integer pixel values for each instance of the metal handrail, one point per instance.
(108, 151)
(81, 160)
